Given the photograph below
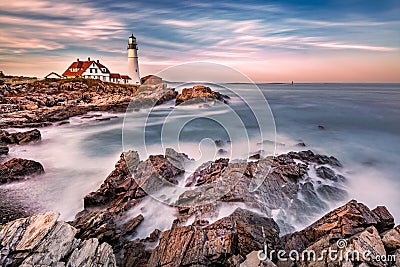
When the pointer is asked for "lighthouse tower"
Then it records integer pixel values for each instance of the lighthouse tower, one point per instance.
(133, 64)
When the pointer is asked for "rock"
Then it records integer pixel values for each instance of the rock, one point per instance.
(226, 241)
(386, 220)
(198, 94)
(391, 239)
(150, 96)
(369, 241)
(23, 137)
(38, 104)
(41, 240)
(326, 173)
(135, 255)
(331, 193)
(17, 169)
(99, 224)
(301, 144)
(218, 143)
(207, 172)
(255, 156)
(20, 138)
(309, 156)
(345, 221)
(3, 150)
(119, 181)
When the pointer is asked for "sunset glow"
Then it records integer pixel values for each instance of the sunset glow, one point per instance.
(274, 41)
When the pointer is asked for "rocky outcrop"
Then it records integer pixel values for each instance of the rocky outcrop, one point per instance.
(223, 243)
(200, 236)
(16, 169)
(38, 104)
(149, 96)
(198, 94)
(20, 138)
(41, 240)
(352, 227)
(106, 215)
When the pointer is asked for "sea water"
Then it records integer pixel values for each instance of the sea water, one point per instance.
(359, 125)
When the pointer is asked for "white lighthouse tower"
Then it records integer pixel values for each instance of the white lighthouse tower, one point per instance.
(133, 64)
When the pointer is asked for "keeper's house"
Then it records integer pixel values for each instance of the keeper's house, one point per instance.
(91, 69)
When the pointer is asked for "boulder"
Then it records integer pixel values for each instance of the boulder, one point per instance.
(386, 220)
(391, 239)
(20, 138)
(198, 94)
(343, 222)
(17, 169)
(41, 240)
(3, 150)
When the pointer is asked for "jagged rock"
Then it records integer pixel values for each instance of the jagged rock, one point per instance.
(331, 193)
(342, 222)
(370, 241)
(226, 241)
(39, 103)
(255, 156)
(386, 220)
(207, 172)
(309, 156)
(326, 173)
(20, 138)
(197, 94)
(41, 240)
(117, 183)
(282, 180)
(391, 239)
(16, 169)
(99, 224)
(150, 96)
(3, 150)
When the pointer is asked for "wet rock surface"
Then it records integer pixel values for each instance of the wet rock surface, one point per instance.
(198, 94)
(41, 240)
(20, 138)
(17, 169)
(204, 241)
(265, 197)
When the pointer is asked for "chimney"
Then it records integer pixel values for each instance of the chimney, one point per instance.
(88, 58)
(98, 61)
(77, 59)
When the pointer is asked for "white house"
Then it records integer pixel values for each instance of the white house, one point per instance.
(91, 69)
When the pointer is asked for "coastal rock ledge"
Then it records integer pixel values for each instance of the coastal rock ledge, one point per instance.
(41, 240)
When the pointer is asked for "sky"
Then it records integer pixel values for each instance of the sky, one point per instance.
(269, 41)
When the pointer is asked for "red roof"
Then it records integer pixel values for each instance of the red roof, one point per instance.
(101, 66)
(115, 75)
(80, 65)
(125, 77)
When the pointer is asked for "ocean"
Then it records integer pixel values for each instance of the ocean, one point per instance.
(357, 123)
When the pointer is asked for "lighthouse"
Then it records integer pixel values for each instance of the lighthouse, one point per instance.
(133, 64)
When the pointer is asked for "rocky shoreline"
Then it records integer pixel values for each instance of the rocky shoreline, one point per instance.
(107, 228)
(229, 212)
